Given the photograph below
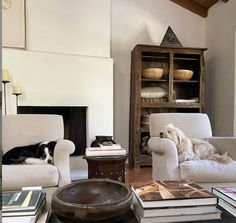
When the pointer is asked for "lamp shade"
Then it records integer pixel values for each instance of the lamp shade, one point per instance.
(17, 89)
(5, 75)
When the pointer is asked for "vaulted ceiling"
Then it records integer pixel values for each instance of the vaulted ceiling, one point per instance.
(199, 7)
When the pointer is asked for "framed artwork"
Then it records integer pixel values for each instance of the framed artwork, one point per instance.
(13, 24)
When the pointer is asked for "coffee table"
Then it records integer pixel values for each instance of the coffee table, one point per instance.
(130, 218)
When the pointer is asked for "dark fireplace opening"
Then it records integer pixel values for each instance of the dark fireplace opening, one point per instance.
(74, 122)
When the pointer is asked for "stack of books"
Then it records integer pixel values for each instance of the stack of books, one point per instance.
(226, 198)
(112, 150)
(173, 201)
(22, 206)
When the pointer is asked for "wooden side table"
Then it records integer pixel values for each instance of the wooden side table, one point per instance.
(112, 167)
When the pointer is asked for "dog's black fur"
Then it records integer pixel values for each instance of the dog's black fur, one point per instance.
(19, 155)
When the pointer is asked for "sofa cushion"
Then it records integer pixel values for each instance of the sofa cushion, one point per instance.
(17, 176)
(208, 171)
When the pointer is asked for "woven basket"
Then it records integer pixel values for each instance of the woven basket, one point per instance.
(152, 73)
(182, 74)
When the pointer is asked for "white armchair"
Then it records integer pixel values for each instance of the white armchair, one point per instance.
(20, 130)
(165, 158)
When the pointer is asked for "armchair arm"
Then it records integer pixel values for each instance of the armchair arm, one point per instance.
(165, 164)
(62, 152)
(225, 144)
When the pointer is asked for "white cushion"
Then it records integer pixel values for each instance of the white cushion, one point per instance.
(28, 129)
(153, 92)
(208, 171)
(200, 122)
(18, 176)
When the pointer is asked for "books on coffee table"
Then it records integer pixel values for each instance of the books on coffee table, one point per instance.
(28, 212)
(173, 201)
(179, 218)
(22, 206)
(112, 150)
(226, 198)
(172, 211)
(172, 193)
(20, 200)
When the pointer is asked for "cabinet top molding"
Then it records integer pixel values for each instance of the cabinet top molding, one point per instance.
(169, 48)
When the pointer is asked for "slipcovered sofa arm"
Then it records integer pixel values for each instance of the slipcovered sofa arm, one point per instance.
(62, 152)
(225, 144)
(165, 164)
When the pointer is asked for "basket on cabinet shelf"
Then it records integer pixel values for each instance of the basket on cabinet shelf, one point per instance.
(152, 73)
(183, 74)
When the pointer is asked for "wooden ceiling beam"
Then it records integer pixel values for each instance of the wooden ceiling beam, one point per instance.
(193, 7)
(205, 3)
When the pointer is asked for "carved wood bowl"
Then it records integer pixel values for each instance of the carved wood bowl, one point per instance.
(91, 200)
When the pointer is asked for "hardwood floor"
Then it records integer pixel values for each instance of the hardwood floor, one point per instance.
(133, 175)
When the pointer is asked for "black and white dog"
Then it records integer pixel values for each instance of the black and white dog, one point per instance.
(40, 153)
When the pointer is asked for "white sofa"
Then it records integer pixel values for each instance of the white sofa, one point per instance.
(20, 130)
(164, 153)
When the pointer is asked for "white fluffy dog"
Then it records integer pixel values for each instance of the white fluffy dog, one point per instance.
(192, 149)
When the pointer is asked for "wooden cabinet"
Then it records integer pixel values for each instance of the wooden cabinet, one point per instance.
(179, 95)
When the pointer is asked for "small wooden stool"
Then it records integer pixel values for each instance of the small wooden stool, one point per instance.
(112, 167)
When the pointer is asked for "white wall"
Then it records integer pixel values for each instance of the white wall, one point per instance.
(73, 27)
(220, 40)
(67, 61)
(137, 21)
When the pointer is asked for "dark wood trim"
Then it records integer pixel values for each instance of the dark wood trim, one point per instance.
(193, 7)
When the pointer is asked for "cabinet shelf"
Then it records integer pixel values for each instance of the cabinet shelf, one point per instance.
(153, 80)
(186, 81)
(187, 59)
(168, 58)
(170, 105)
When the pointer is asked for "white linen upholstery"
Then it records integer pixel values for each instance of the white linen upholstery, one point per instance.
(208, 171)
(165, 158)
(18, 176)
(20, 130)
(194, 125)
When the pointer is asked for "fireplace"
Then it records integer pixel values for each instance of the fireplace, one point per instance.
(74, 118)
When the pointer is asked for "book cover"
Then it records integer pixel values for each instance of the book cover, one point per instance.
(172, 193)
(25, 218)
(227, 194)
(20, 212)
(21, 200)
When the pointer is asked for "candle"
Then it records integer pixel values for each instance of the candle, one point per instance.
(5, 75)
(17, 89)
